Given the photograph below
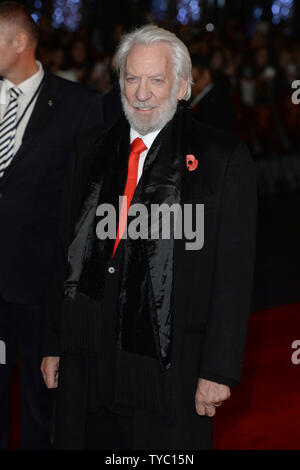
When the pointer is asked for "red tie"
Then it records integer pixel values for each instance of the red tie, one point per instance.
(136, 148)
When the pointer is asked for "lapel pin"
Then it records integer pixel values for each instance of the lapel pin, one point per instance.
(50, 103)
(191, 162)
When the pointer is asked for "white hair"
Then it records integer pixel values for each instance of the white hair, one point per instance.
(152, 34)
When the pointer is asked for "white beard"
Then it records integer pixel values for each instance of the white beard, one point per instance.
(146, 124)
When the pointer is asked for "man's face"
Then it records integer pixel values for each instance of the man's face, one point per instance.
(8, 52)
(150, 93)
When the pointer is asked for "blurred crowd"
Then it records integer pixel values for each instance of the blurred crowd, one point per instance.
(254, 70)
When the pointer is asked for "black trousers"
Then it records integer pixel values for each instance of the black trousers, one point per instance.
(20, 327)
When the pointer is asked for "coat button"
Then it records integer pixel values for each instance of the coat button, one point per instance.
(111, 270)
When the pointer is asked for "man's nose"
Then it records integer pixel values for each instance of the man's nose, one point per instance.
(143, 92)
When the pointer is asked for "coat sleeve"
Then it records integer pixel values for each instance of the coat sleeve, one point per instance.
(225, 336)
(91, 120)
(76, 179)
(54, 299)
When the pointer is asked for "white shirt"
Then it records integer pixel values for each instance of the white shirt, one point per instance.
(28, 88)
(148, 140)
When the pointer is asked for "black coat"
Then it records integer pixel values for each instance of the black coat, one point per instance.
(212, 291)
(30, 190)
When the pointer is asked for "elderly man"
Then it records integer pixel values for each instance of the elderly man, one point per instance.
(144, 335)
(40, 117)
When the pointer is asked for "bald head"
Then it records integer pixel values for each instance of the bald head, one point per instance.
(15, 19)
(18, 41)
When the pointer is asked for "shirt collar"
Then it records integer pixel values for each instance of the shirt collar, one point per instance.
(148, 139)
(30, 84)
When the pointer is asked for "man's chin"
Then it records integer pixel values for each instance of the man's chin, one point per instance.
(143, 122)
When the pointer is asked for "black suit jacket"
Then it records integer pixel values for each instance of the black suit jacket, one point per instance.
(30, 190)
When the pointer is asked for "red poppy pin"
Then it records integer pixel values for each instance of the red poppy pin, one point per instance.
(191, 162)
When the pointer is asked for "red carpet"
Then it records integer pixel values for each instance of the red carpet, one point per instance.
(263, 413)
(15, 411)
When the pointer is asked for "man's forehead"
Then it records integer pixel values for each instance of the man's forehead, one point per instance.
(152, 52)
(155, 58)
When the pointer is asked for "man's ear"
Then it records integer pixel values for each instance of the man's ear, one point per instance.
(20, 41)
(183, 86)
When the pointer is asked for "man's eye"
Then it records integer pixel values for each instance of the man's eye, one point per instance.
(157, 80)
(130, 79)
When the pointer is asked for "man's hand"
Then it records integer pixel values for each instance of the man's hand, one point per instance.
(209, 394)
(49, 369)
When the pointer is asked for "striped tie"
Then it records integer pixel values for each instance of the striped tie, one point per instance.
(8, 130)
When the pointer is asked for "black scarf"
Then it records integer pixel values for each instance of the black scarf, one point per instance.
(147, 278)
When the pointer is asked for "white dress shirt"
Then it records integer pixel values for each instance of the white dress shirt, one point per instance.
(28, 89)
(148, 140)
